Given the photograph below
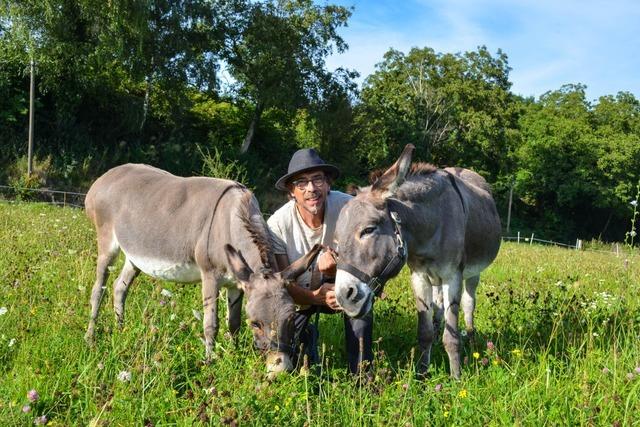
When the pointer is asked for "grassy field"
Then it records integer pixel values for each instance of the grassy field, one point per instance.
(558, 343)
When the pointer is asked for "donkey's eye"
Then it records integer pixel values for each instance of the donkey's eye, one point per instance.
(256, 325)
(366, 231)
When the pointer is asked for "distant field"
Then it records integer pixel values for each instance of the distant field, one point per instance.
(565, 326)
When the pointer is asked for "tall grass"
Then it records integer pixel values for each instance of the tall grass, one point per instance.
(563, 327)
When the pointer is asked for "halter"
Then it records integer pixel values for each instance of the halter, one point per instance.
(393, 263)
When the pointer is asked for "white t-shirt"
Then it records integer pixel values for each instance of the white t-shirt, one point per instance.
(293, 238)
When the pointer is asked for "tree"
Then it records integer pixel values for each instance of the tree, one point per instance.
(454, 108)
(275, 50)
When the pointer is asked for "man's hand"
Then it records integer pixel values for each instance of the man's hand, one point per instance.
(325, 295)
(327, 262)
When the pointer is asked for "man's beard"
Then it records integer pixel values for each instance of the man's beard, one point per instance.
(315, 209)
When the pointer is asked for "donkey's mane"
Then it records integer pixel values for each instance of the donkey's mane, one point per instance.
(419, 168)
(257, 229)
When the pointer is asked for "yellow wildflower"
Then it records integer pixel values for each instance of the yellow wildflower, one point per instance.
(476, 355)
(463, 393)
(517, 352)
(446, 414)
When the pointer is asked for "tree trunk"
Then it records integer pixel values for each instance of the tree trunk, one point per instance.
(248, 139)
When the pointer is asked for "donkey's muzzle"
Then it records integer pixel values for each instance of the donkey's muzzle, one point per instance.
(355, 298)
(277, 363)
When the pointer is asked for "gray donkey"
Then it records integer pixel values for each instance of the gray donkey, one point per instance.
(442, 222)
(189, 230)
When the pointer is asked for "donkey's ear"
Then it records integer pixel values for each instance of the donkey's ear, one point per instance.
(299, 266)
(238, 266)
(387, 184)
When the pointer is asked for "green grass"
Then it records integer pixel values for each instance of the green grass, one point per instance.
(557, 318)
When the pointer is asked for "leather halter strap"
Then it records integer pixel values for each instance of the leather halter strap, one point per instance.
(392, 263)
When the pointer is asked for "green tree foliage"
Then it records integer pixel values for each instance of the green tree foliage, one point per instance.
(276, 52)
(455, 108)
(578, 162)
(186, 85)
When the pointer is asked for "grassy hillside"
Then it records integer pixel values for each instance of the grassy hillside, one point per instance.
(565, 329)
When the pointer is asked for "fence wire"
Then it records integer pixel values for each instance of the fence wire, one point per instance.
(76, 199)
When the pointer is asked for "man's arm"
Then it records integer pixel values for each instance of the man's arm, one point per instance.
(324, 295)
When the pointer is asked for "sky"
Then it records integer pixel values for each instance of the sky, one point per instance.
(548, 42)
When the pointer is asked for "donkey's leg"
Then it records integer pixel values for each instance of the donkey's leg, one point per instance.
(451, 289)
(234, 310)
(469, 303)
(210, 291)
(437, 303)
(107, 252)
(121, 287)
(422, 290)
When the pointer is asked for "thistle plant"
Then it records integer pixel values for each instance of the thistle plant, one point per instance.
(630, 235)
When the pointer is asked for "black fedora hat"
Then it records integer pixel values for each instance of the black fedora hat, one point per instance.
(306, 160)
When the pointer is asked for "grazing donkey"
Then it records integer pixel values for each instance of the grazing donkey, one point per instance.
(189, 230)
(443, 223)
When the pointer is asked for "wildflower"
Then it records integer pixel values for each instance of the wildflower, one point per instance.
(637, 370)
(595, 334)
(463, 333)
(33, 396)
(166, 293)
(3, 310)
(40, 421)
(100, 365)
(124, 376)
(26, 408)
(438, 388)
(605, 370)
(484, 361)
(633, 233)
(446, 414)
(163, 302)
(463, 393)
(405, 387)
(476, 355)
(634, 203)
(490, 346)
(12, 341)
(496, 361)
(630, 376)
(517, 352)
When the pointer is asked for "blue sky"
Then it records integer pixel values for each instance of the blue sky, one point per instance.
(549, 42)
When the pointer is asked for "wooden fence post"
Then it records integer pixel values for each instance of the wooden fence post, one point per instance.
(531, 241)
(518, 237)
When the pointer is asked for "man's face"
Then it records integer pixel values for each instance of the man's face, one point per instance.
(310, 190)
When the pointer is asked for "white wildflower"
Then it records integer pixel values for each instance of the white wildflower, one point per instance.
(166, 293)
(634, 203)
(595, 334)
(3, 310)
(463, 333)
(12, 341)
(124, 376)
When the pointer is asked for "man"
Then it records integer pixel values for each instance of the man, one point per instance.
(308, 218)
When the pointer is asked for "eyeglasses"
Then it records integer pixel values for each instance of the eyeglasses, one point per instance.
(302, 183)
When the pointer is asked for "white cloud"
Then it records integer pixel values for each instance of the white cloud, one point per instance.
(549, 43)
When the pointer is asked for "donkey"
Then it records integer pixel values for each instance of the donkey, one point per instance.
(442, 222)
(189, 230)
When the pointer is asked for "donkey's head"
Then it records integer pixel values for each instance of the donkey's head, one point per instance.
(270, 308)
(370, 243)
